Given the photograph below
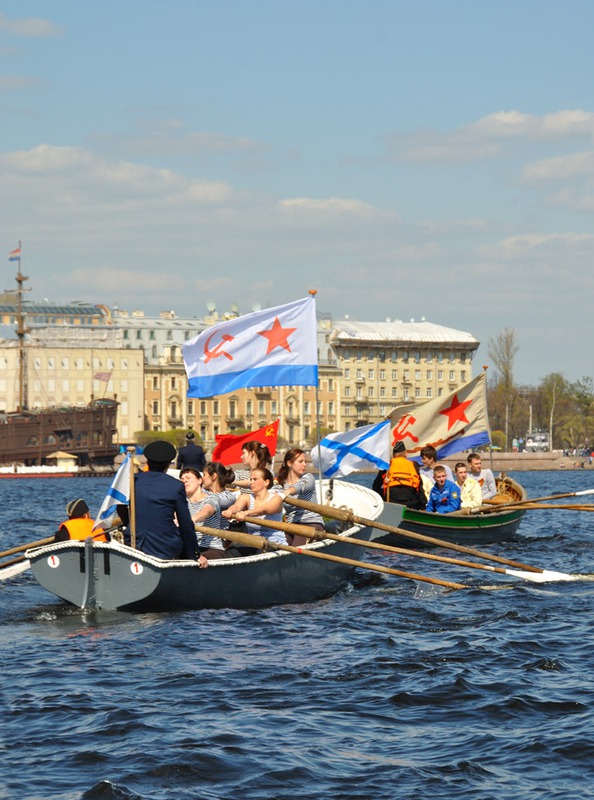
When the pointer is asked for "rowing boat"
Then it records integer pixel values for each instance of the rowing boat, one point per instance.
(484, 527)
(113, 576)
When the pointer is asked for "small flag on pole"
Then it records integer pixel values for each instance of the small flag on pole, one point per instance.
(102, 376)
(15, 255)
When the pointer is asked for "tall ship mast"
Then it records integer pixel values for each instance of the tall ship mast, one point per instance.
(31, 436)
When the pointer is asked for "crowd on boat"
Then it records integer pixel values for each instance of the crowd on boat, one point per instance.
(210, 494)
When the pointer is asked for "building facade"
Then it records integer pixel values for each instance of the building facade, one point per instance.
(365, 370)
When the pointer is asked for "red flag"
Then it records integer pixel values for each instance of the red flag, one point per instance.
(228, 446)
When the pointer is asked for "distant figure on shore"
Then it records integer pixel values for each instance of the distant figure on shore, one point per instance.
(484, 477)
(191, 454)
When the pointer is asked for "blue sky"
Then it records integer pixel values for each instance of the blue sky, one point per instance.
(406, 159)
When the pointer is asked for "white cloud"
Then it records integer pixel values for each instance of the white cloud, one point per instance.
(488, 136)
(11, 83)
(31, 27)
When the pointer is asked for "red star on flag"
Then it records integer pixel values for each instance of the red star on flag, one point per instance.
(455, 412)
(277, 336)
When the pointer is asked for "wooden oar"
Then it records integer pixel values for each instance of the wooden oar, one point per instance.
(561, 506)
(349, 516)
(261, 543)
(312, 533)
(22, 547)
(519, 503)
(14, 567)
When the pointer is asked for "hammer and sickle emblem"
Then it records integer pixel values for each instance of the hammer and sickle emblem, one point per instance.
(400, 430)
(218, 349)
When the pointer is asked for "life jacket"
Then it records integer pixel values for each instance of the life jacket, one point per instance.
(402, 472)
(81, 528)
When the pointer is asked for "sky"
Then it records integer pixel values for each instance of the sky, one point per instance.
(407, 159)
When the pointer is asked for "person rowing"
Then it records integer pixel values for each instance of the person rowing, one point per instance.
(261, 502)
(297, 482)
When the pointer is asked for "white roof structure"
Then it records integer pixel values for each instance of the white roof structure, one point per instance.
(349, 331)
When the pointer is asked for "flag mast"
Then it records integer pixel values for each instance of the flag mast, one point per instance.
(313, 293)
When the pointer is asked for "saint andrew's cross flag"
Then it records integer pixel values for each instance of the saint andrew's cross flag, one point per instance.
(273, 347)
(228, 447)
(340, 454)
(451, 423)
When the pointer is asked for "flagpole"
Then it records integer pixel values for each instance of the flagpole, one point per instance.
(485, 368)
(313, 293)
(132, 508)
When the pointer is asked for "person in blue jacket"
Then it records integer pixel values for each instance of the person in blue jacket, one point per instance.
(445, 495)
(160, 502)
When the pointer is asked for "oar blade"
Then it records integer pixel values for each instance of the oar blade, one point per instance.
(546, 576)
(13, 570)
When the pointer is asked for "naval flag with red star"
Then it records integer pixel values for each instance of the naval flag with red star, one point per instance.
(451, 423)
(273, 347)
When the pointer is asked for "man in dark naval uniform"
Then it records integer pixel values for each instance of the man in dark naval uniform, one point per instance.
(161, 498)
(191, 454)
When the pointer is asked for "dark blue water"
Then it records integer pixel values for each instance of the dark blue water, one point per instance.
(389, 689)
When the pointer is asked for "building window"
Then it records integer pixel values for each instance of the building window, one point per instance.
(124, 363)
(125, 335)
(394, 357)
(463, 376)
(203, 407)
(155, 406)
(417, 391)
(154, 351)
(274, 408)
(139, 334)
(429, 392)
(155, 382)
(261, 408)
(452, 375)
(394, 391)
(359, 392)
(371, 374)
(417, 357)
(347, 374)
(173, 382)
(359, 374)
(370, 391)
(152, 335)
(330, 384)
(405, 356)
(215, 406)
(173, 409)
(382, 374)
(417, 374)
(249, 408)
(429, 358)
(382, 391)
(191, 408)
(347, 391)
(439, 374)
(452, 357)
(330, 406)
(440, 357)
(394, 374)
(306, 407)
(429, 374)
(405, 376)
(232, 405)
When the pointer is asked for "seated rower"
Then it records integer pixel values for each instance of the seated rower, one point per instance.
(484, 477)
(79, 524)
(401, 482)
(297, 482)
(470, 492)
(445, 495)
(260, 503)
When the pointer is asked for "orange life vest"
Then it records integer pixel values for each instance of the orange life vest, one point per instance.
(402, 472)
(81, 528)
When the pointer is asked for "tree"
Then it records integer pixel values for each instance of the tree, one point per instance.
(503, 397)
(557, 403)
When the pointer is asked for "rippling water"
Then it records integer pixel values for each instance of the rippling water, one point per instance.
(389, 689)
